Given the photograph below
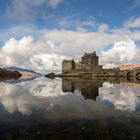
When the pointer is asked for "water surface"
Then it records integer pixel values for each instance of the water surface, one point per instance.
(70, 108)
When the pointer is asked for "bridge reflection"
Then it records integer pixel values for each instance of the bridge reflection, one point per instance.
(133, 73)
(89, 88)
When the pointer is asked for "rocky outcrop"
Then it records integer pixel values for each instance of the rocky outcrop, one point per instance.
(6, 74)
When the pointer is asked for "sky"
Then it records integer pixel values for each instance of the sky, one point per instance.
(39, 34)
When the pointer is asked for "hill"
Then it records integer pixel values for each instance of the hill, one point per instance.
(129, 67)
(26, 74)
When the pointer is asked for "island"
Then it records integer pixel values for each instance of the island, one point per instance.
(89, 67)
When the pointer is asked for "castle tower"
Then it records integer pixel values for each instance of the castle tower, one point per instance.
(90, 61)
(67, 66)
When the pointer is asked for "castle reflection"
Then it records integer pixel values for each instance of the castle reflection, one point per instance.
(89, 88)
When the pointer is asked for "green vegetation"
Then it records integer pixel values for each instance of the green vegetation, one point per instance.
(53, 75)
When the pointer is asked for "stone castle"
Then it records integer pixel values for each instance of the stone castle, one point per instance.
(89, 62)
(89, 67)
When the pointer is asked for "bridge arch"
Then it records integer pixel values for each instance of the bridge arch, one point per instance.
(129, 74)
(138, 75)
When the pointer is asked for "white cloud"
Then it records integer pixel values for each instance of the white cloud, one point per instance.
(69, 22)
(51, 46)
(103, 27)
(74, 43)
(43, 49)
(122, 52)
(27, 53)
(133, 23)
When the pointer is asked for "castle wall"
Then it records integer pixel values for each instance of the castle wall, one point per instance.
(85, 67)
(78, 66)
(94, 60)
(110, 73)
(91, 67)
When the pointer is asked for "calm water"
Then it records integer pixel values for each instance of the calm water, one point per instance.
(70, 109)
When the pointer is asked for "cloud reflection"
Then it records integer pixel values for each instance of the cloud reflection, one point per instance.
(46, 95)
(122, 97)
(24, 96)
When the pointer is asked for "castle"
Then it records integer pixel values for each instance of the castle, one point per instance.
(89, 67)
(89, 62)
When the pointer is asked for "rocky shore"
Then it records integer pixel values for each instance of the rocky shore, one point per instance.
(6, 74)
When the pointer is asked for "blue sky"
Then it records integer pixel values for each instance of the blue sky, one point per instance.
(69, 27)
(112, 12)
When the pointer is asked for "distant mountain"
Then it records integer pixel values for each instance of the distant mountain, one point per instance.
(129, 67)
(26, 74)
(19, 69)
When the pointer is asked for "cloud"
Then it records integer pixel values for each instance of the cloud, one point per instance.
(29, 54)
(103, 27)
(51, 47)
(27, 10)
(133, 23)
(55, 3)
(75, 23)
(122, 52)
(48, 52)
(44, 49)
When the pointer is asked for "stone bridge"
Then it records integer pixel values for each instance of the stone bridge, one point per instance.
(133, 73)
